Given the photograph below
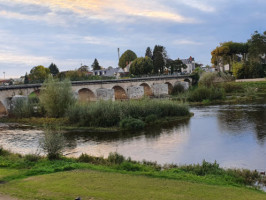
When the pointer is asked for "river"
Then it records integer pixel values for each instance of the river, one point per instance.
(233, 135)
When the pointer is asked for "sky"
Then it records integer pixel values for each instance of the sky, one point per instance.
(74, 32)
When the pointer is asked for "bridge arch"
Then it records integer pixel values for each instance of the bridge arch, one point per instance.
(147, 89)
(120, 93)
(170, 87)
(187, 80)
(3, 110)
(86, 95)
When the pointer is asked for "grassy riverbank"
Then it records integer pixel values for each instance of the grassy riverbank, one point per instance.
(34, 177)
(223, 93)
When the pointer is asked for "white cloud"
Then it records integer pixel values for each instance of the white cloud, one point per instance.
(110, 10)
(201, 5)
(186, 42)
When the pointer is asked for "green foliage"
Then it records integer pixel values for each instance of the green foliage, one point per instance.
(141, 66)
(115, 158)
(178, 88)
(126, 58)
(175, 65)
(26, 107)
(32, 157)
(151, 118)
(108, 113)
(202, 93)
(53, 143)
(131, 124)
(231, 87)
(26, 79)
(53, 69)
(159, 59)
(95, 65)
(249, 70)
(209, 79)
(257, 47)
(56, 97)
(84, 68)
(38, 74)
(148, 53)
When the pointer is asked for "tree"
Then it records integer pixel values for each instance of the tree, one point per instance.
(56, 96)
(141, 66)
(257, 46)
(126, 58)
(148, 53)
(85, 68)
(159, 59)
(95, 65)
(38, 74)
(175, 65)
(26, 79)
(53, 69)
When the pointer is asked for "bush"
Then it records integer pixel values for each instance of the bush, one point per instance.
(56, 96)
(132, 124)
(203, 93)
(115, 158)
(53, 144)
(232, 87)
(108, 113)
(209, 79)
(151, 118)
(91, 159)
(178, 88)
(32, 157)
(23, 107)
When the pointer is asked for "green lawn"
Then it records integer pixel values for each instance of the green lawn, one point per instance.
(90, 184)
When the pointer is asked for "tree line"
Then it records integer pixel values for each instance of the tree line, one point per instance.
(154, 62)
(245, 60)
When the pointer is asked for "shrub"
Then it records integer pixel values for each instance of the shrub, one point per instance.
(32, 157)
(178, 88)
(91, 159)
(23, 107)
(115, 158)
(204, 93)
(131, 124)
(56, 96)
(209, 79)
(52, 143)
(232, 87)
(151, 118)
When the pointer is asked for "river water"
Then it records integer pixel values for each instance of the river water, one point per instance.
(233, 135)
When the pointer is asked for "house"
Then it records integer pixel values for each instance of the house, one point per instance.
(108, 72)
(190, 63)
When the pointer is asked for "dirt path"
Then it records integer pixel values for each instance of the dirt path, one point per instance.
(4, 197)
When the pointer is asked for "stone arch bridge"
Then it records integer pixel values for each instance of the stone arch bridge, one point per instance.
(119, 89)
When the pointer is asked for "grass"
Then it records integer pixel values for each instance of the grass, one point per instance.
(91, 184)
(35, 177)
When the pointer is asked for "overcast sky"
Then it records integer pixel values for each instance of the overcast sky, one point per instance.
(71, 32)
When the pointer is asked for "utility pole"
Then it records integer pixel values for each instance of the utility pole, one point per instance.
(118, 51)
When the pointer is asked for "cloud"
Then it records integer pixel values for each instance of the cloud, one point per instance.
(111, 10)
(186, 42)
(201, 5)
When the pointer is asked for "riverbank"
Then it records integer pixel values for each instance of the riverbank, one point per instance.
(223, 93)
(34, 177)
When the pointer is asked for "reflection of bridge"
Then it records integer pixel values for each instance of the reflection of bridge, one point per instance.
(103, 89)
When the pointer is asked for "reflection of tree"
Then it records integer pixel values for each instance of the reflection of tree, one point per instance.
(152, 132)
(237, 120)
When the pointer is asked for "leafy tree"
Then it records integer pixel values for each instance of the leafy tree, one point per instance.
(56, 96)
(126, 58)
(85, 68)
(159, 59)
(38, 74)
(175, 65)
(257, 46)
(26, 79)
(141, 66)
(53, 69)
(95, 65)
(148, 53)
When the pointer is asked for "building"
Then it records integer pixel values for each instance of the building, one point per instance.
(109, 72)
(190, 63)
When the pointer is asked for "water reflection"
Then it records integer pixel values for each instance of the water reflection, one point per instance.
(233, 135)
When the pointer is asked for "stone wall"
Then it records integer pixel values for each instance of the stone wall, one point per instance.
(160, 90)
(105, 94)
(135, 92)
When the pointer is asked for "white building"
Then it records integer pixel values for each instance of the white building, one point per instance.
(190, 63)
